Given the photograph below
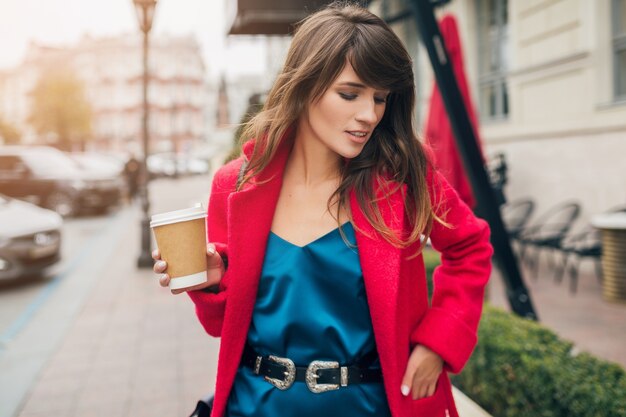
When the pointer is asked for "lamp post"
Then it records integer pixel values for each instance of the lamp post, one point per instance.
(145, 14)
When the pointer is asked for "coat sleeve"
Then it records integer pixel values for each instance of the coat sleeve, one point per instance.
(210, 306)
(450, 325)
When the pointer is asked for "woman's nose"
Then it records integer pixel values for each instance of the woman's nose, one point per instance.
(367, 113)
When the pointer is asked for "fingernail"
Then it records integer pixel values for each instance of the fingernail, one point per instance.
(155, 253)
(160, 264)
(405, 390)
(211, 250)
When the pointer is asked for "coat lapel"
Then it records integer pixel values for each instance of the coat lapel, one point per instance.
(250, 215)
(380, 263)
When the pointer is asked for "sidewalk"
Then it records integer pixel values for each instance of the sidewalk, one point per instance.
(132, 350)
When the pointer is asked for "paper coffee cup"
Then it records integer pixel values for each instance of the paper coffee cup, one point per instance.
(181, 238)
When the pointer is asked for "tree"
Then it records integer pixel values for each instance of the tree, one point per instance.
(60, 108)
(9, 134)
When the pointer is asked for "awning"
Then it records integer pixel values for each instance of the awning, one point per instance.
(268, 17)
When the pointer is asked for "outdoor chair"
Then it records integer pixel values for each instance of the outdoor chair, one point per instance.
(515, 216)
(547, 233)
(584, 244)
(497, 171)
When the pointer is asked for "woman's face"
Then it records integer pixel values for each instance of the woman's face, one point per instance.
(345, 116)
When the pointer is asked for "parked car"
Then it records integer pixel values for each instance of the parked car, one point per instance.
(168, 164)
(195, 166)
(49, 178)
(161, 165)
(104, 164)
(30, 238)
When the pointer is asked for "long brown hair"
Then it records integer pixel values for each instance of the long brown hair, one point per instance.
(320, 47)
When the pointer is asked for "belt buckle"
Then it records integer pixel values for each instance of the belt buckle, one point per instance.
(311, 376)
(290, 373)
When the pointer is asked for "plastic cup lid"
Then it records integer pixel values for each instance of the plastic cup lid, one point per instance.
(192, 213)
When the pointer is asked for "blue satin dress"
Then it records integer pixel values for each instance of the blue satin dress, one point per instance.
(311, 305)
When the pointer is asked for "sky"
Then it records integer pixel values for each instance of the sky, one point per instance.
(64, 22)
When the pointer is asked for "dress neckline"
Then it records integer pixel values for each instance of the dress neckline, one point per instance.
(314, 241)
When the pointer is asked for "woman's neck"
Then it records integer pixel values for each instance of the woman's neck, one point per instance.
(311, 163)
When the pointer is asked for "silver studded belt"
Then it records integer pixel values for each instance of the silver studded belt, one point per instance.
(320, 376)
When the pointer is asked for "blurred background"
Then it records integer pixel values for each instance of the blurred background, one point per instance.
(95, 137)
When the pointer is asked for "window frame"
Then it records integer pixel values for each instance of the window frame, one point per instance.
(488, 77)
(618, 46)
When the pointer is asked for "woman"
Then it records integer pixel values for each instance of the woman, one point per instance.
(321, 223)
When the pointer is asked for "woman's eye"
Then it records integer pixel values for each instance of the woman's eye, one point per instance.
(348, 97)
(380, 100)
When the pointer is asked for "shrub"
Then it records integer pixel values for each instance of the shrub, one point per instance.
(431, 260)
(520, 368)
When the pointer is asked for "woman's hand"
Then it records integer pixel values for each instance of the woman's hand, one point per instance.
(422, 373)
(215, 270)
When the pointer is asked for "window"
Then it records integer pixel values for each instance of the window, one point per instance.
(619, 48)
(493, 44)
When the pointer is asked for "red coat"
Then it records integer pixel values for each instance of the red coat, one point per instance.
(239, 222)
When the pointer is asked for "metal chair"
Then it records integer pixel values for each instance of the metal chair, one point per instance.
(584, 244)
(515, 215)
(497, 170)
(547, 233)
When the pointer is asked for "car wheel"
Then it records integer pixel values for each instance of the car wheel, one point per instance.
(62, 203)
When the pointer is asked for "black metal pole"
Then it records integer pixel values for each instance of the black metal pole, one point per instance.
(145, 256)
(518, 296)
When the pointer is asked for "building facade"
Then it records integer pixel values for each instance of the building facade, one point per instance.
(241, 84)
(549, 80)
(112, 71)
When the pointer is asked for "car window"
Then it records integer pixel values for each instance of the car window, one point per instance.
(9, 162)
(11, 166)
(93, 162)
(50, 163)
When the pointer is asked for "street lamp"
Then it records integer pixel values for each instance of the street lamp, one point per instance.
(145, 14)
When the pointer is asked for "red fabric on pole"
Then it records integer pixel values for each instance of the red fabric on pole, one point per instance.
(439, 134)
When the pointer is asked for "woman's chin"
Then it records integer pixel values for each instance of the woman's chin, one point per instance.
(350, 153)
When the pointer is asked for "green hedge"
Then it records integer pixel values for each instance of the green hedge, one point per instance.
(521, 368)
(431, 260)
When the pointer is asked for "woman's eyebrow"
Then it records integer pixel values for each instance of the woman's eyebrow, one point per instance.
(353, 84)
(359, 85)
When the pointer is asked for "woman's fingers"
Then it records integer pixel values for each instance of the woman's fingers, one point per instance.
(422, 373)
(215, 266)
(423, 389)
(213, 259)
(164, 280)
(215, 270)
(159, 267)
(407, 379)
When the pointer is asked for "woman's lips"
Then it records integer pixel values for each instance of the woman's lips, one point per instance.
(357, 136)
